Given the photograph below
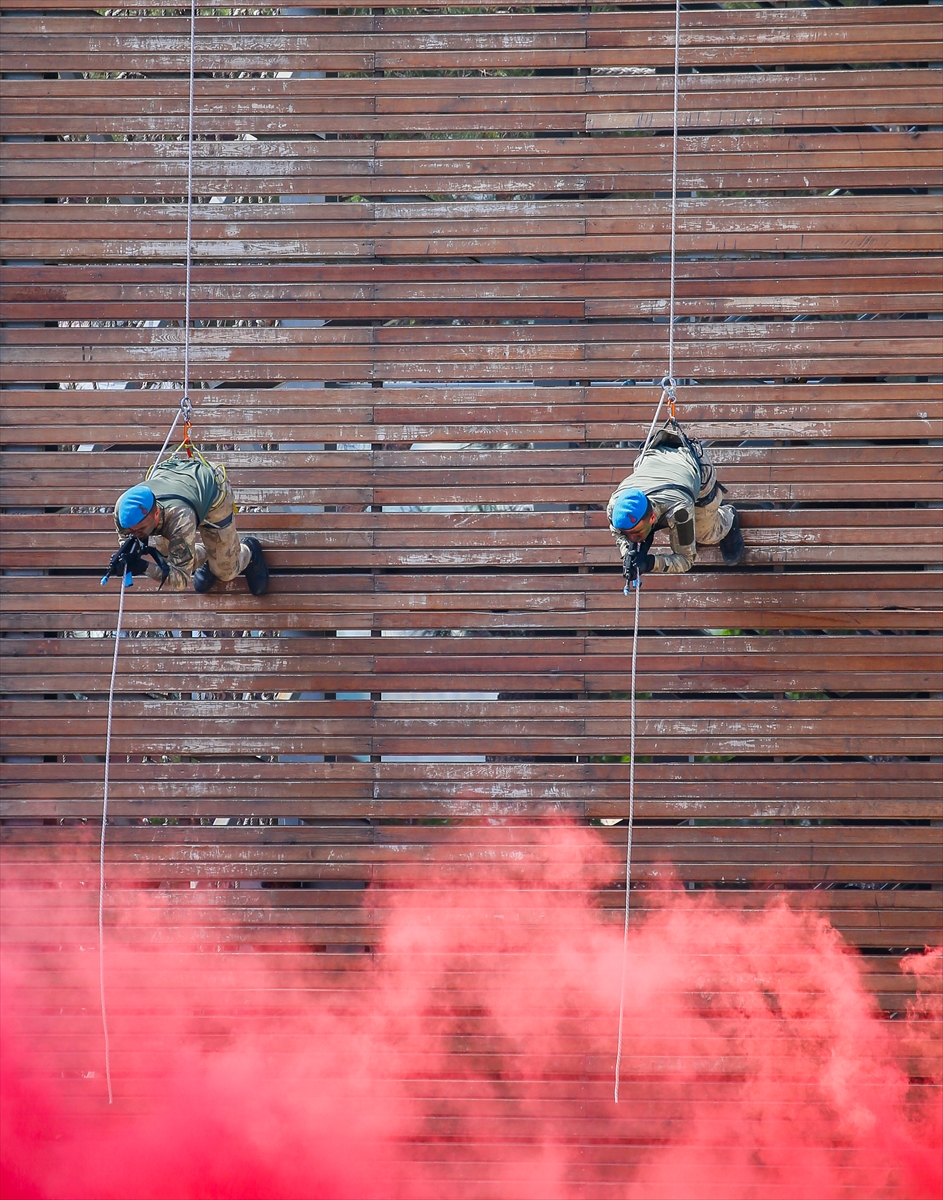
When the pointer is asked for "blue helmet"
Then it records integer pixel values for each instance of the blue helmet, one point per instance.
(134, 505)
(628, 508)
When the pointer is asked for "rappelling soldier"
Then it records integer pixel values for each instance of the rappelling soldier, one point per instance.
(180, 498)
(673, 486)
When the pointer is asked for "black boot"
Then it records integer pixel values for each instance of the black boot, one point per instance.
(731, 544)
(256, 572)
(203, 578)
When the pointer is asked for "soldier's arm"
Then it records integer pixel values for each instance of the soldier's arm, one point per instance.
(683, 544)
(179, 531)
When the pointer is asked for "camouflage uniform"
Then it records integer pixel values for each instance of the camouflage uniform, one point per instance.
(205, 503)
(671, 479)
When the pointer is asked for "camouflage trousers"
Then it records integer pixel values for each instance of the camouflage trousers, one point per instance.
(712, 521)
(226, 554)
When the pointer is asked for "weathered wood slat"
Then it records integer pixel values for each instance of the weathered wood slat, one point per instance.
(330, 975)
(223, 94)
(353, 104)
(709, 38)
(153, 848)
(442, 157)
(787, 288)
(390, 858)
(466, 28)
(898, 600)
(840, 789)
(553, 665)
(329, 541)
(486, 476)
(447, 353)
(486, 414)
(405, 167)
(763, 727)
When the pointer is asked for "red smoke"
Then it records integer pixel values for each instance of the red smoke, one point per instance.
(473, 1056)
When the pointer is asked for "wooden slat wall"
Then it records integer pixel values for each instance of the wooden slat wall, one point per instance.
(429, 249)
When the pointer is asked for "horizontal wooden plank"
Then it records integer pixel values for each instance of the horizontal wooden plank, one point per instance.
(487, 414)
(884, 664)
(466, 26)
(414, 726)
(583, 464)
(356, 790)
(465, 166)
(886, 918)
(791, 287)
(61, 118)
(854, 909)
(602, 215)
(447, 353)
(841, 337)
(708, 38)
(645, 90)
(309, 239)
(868, 600)
(430, 844)
(492, 476)
(442, 156)
(305, 544)
(560, 280)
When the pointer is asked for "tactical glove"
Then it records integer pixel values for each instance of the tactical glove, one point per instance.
(135, 563)
(634, 565)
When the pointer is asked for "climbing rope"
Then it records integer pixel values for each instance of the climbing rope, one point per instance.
(101, 857)
(668, 385)
(628, 848)
(184, 410)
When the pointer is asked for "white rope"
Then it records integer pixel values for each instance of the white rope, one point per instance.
(667, 390)
(186, 322)
(181, 411)
(184, 410)
(186, 407)
(674, 196)
(101, 852)
(628, 848)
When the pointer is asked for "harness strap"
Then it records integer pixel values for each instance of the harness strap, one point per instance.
(703, 501)
(224, 524)
(183, 500)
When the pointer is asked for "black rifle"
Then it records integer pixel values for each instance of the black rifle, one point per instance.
(129, 556)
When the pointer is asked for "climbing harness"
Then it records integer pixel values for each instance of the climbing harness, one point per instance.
(185, 410)
(668, 385)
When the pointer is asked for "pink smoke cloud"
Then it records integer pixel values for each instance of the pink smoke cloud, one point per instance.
(473, 1055)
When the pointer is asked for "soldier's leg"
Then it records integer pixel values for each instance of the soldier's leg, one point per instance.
(713, 522)
(226, 555)
(717, 524)
(712, 519)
